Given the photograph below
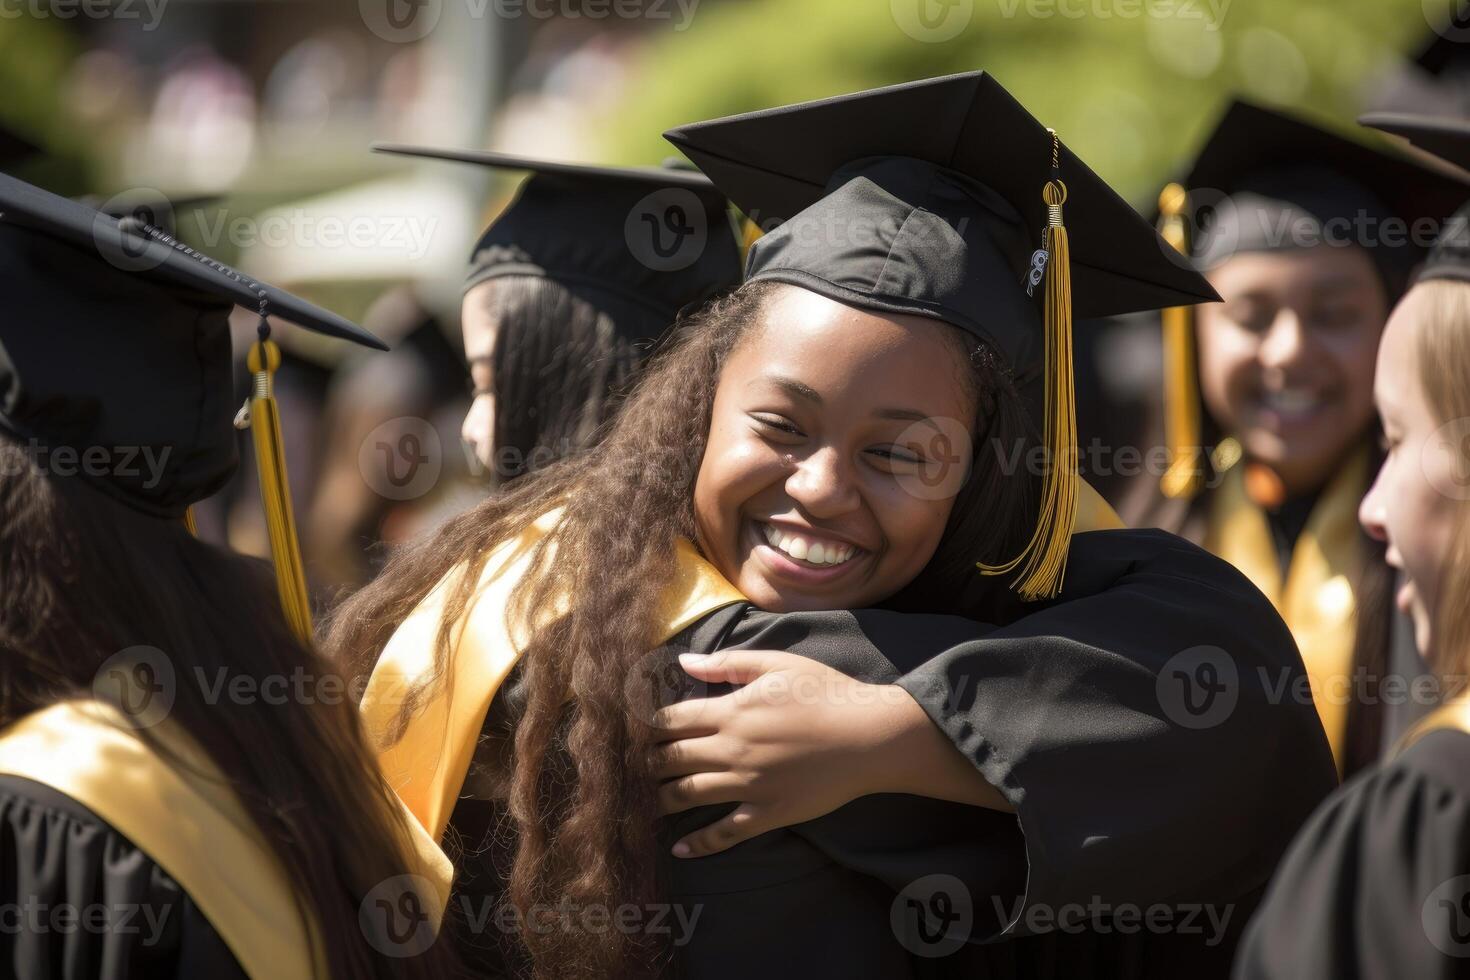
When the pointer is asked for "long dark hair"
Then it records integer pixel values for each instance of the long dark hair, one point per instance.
(560, 364)
(581, 800)
(84, 578)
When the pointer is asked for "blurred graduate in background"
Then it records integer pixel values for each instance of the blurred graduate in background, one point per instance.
(1309, 238)
(244, 834)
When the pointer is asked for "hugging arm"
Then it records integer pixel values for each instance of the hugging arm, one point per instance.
(1148, 726)
(1152, 727)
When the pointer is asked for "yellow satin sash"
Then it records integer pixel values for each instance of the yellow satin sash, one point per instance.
(1453, 714)
(428, 764)
(1093, 512)
(189, 821)
(1316, 599)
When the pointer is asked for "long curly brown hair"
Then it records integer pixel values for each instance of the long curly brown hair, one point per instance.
(581, 800)
(83, 578)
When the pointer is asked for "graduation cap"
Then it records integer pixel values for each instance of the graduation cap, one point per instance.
(115, 346)
(1266, 181)
(660, 238)
(149, 206)
(945, 198)
(1448, 139)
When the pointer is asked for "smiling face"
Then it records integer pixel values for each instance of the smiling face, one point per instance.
(1286, 361)
(1415, 502)
(838, 439)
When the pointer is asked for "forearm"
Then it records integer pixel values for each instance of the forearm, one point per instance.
(912, 755)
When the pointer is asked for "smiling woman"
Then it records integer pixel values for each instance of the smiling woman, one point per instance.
(1309, 238)
(824, 419)
(835, 436)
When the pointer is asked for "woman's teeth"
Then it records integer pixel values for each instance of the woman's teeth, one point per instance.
(809, 550)
(1292, 401)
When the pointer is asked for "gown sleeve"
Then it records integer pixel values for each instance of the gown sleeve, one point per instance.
(1152, 727)
(1378, 882)
(88, 904)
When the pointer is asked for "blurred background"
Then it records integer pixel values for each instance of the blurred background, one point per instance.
(253, 119)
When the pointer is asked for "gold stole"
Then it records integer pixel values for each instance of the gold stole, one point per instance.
(1454, 714)
(428, 764)
(188, 820)
(1316, 600)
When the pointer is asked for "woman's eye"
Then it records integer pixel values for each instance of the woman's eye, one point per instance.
(777, 422)
(896, 454)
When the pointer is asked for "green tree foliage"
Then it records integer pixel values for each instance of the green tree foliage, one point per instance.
(1131, 85)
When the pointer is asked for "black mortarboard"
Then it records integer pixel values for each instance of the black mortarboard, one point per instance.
(115, 347)
(948, 175)
(657, 237)
(1448, 139)
(1270, 181)
(944, 198)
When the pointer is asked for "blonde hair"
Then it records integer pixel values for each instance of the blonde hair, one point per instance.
(1443, 349)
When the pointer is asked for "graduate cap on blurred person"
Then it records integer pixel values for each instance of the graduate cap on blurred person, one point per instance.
(1448, 139)
(1267, 181)
(660, 238)
(945, 198)
(116, 341)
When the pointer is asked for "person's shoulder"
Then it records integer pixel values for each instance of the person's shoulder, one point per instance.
(1097, 557)
(1438, 762)
(1378, 878)
(60, 855)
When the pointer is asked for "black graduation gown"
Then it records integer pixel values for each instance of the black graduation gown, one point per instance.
(82, 902)
(1378, 882)
(1130, 810)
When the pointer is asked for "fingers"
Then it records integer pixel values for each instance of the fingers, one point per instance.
(690, 719)
(688, 756)
(737, 666)
(700, 789)
(741, 823)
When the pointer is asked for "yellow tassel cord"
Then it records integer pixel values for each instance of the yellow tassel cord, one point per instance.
(275, 494)
(189, 522)
(1043, 561)
(1184, 477)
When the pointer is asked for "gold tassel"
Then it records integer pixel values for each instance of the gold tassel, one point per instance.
(192, 527)
(275, 494)
(1043, 562)
(1184, 477)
